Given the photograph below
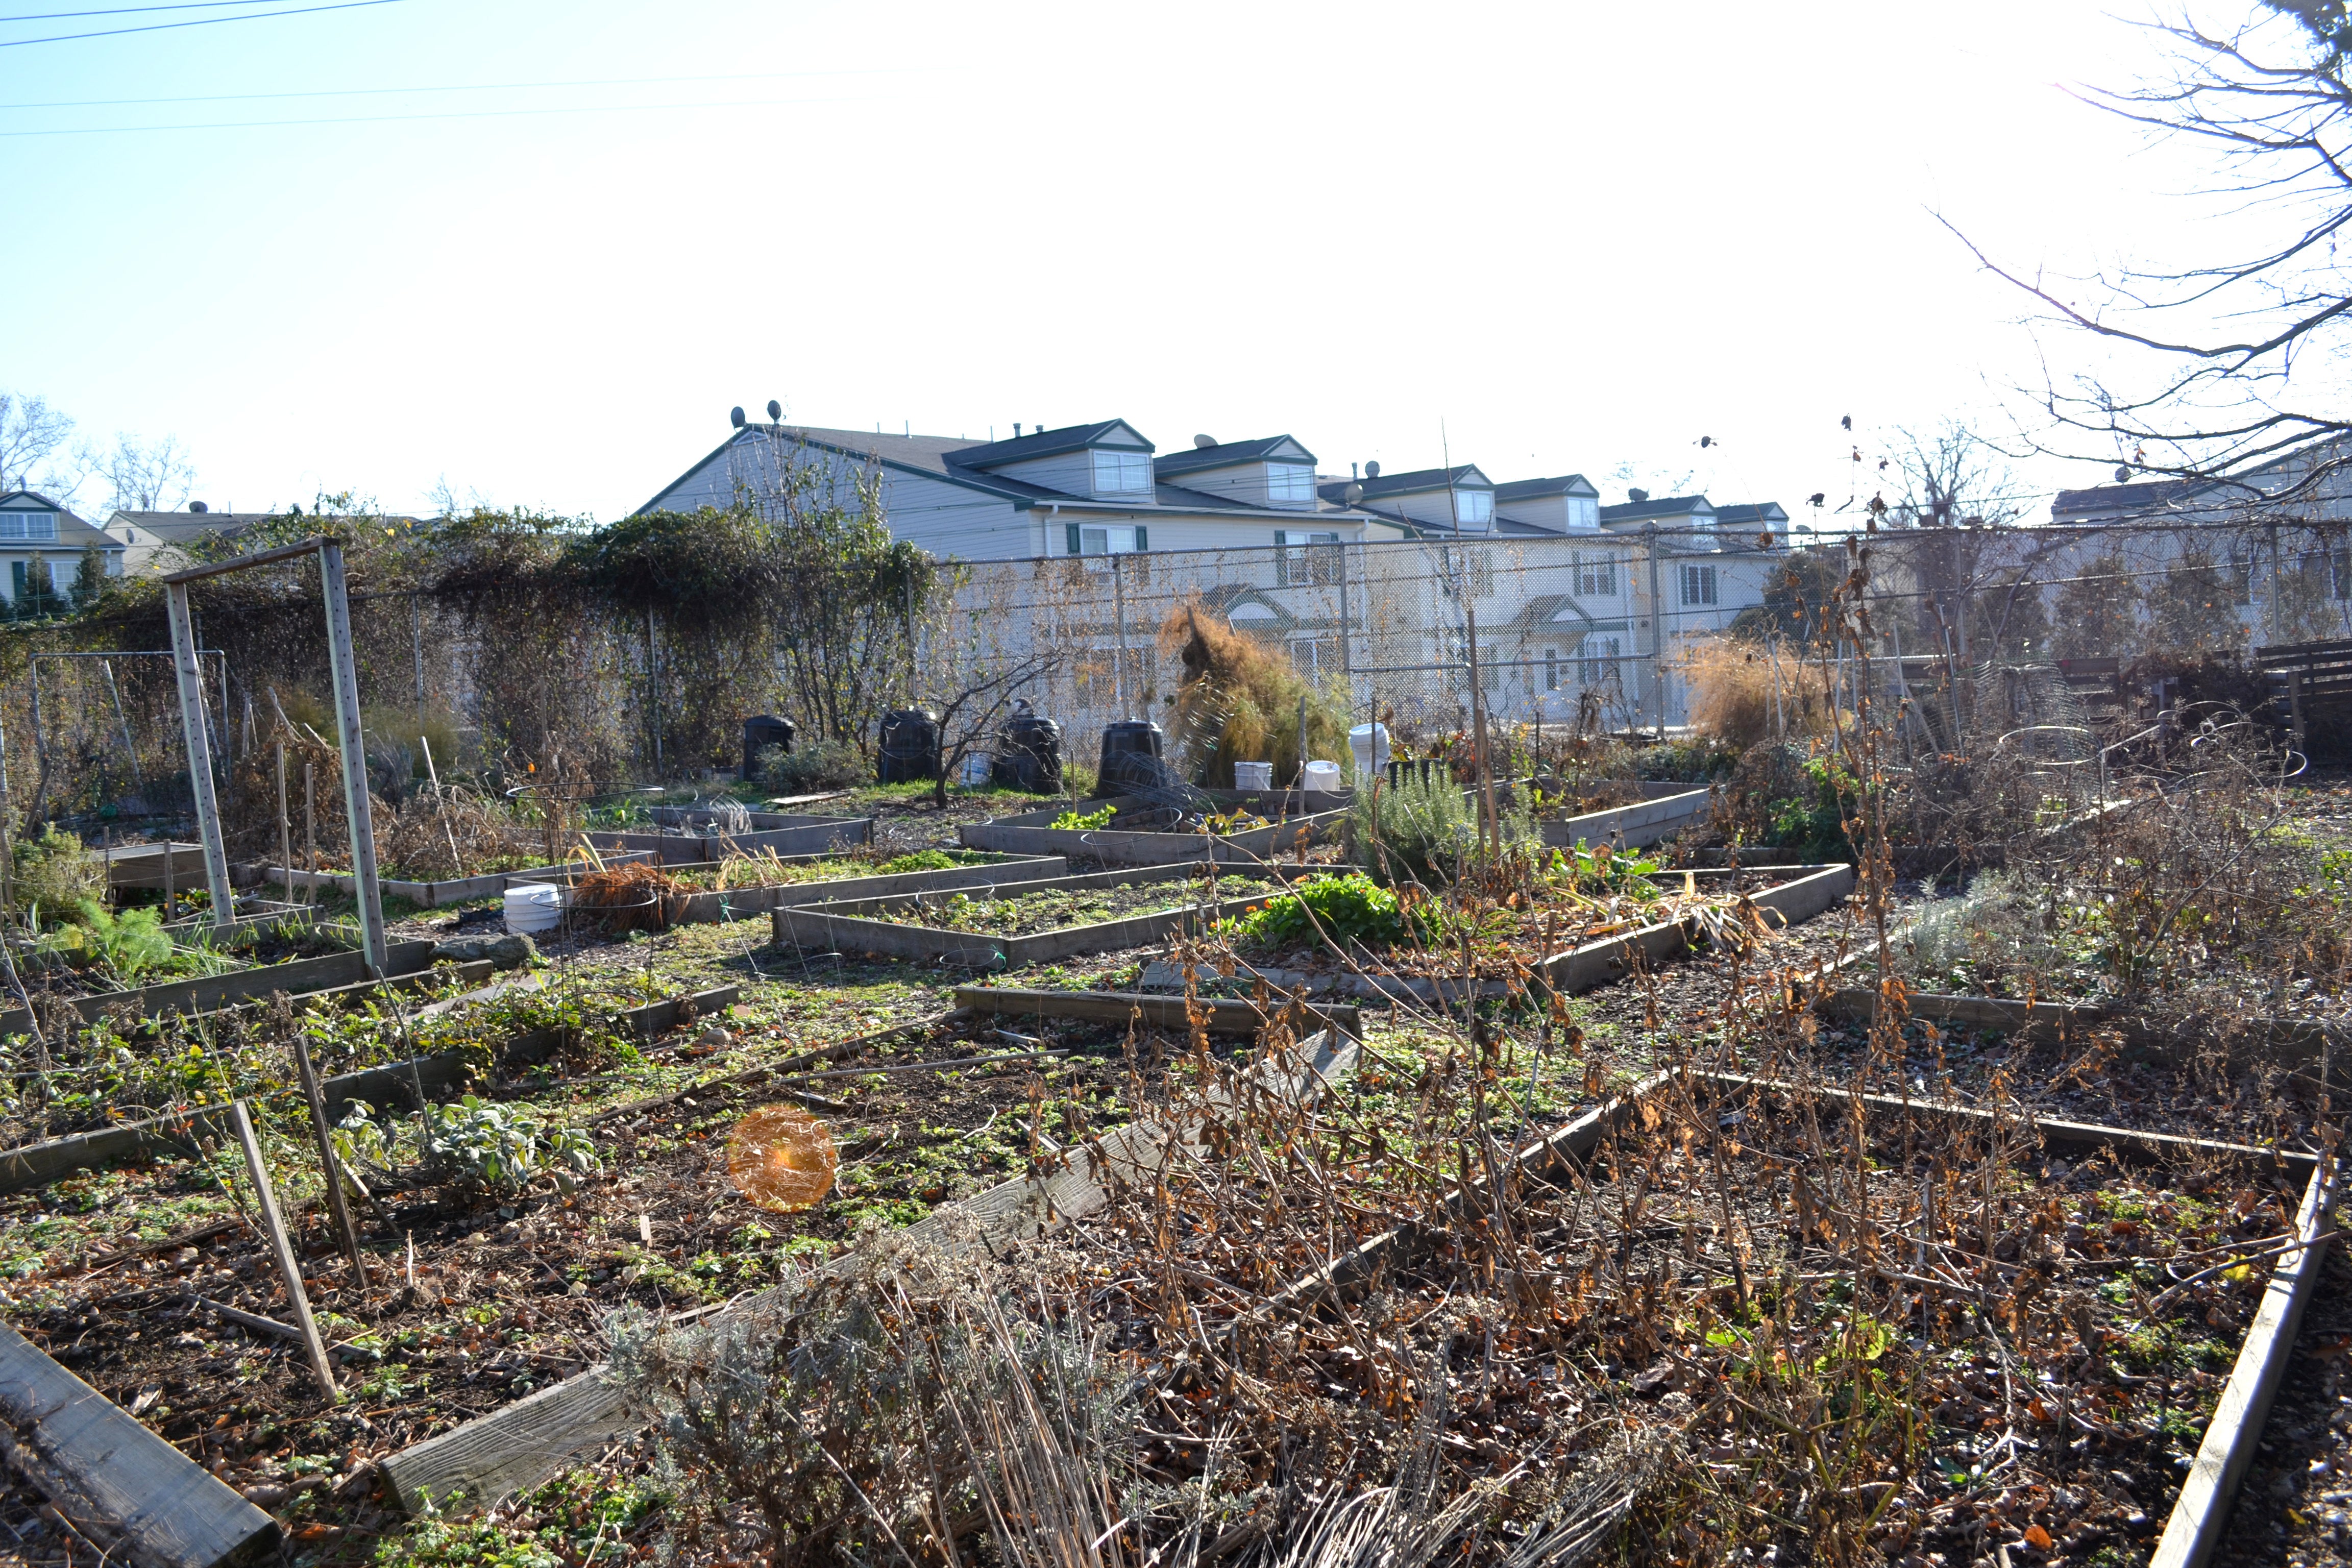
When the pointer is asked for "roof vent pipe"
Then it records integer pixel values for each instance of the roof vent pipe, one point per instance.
(1016, 429)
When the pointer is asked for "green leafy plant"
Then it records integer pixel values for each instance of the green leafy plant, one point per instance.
(1416, 832)
(502, 1148)
(1086, 821)
(54, 872)
(1350, 908)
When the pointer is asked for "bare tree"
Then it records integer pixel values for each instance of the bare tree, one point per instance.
(2226, 362)
(32, 431)
(147, 475)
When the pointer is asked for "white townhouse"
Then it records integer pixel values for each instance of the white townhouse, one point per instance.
(1083, 490)
(38, 532)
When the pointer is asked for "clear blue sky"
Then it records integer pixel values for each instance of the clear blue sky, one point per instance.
(1575, 236)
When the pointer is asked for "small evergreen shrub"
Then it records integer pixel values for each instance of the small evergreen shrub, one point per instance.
(813, 764)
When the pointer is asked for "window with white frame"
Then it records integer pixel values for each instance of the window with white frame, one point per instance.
(1123, 473)
(1315, 656)
(1597, 659)
(1105, 538)
(1472, 507)
(21, 524)
(1698, 584)
(1551, 670)
(1305, 559)
(1596, 576)
(1290, 484)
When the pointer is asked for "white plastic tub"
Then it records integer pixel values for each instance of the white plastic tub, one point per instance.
(1324, 776)
(1253, 775)
(533, 907)
(1370, 746)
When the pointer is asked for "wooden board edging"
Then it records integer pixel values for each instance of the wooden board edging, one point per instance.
(116, 1479)
(1221, 1016)
(2193, 1528)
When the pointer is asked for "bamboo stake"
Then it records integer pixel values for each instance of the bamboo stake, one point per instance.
(310, 833)
(331, 1166)
(283, 1250)
(456, 867)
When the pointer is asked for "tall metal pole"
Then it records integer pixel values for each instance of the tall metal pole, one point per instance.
(1657, 632)
(341, 668)
(193, 726)
(1119, 670)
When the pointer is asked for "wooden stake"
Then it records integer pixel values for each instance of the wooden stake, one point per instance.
(310, 833)
(289, 1267)
(285, 826)
(328, 1162)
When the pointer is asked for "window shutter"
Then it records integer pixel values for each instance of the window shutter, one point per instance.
(1074, 538)
(1142, 537)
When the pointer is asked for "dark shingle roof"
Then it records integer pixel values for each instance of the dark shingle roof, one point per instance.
(1463, 474)
(1225, 453)
(1747, 513)
(1529, 489)
(2109, 501)
(1662, 506)
(1040, 444)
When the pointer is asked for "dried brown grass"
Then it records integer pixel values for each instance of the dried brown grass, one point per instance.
(1743, 692)
(1240, 699)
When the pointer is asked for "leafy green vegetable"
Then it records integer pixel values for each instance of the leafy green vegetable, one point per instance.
(1351, 908)
(1085, 821)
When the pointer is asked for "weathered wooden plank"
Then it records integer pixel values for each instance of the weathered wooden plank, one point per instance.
(1031, 833)
(521, 1446)
(101, 1465)
(1641, 823)
(737, 902)
(2194, 1528)
(1222, 1017)
(1977, 1012)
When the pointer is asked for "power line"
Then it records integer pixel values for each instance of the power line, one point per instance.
(403, 119)
(397, 91)
(126, 10)
(199, 22)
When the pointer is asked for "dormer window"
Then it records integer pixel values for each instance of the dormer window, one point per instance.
(1290, 484)
(32, 525)
(1472, 507)
(1123, 473)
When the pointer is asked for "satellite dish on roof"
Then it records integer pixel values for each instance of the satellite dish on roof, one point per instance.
(1638, 496)
(197, 506)
(1354, 494)
(2123, 473)
(775, 409)
(735, 417)
(1372, 471)
(1204, 442)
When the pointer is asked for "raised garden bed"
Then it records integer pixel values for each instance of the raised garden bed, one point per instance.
(790, 836)
(1633, 932)
(507, 1294)
(1016, 924)
(1761, 1319)
(1139, 832)
(429, 895)
(212, 992)
(834, 878)
(1665, 809)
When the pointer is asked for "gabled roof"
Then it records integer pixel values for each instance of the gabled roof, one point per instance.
(1532, 490)
(73, 532)
(946, 457)
(1550, 610)
(1464, 476)
(1749, 514)
(2111, 500)
(1115, 433)
(1665, 506)
(1228, 453)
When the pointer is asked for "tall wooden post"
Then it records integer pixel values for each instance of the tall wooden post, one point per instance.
(341, 669)
(193, 726)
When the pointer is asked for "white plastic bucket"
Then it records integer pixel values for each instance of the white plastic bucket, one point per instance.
(1370, 746)
(1253, 775)
(534, 906)
(1323, 776)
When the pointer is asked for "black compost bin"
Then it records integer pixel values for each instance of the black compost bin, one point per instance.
(1130, 758)
(910, 746)
(759, 735)
(1029, 756)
